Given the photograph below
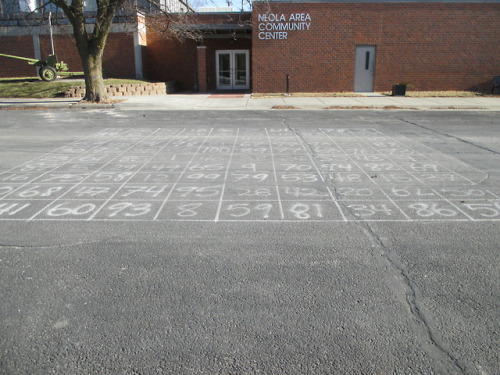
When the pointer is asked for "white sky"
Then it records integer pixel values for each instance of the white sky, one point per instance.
(218, 3)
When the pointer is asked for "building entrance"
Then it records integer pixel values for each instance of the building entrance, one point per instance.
(233, 71)
(365, 69)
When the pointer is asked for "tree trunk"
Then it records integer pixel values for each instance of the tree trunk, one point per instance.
(94, 83)
(91, 45)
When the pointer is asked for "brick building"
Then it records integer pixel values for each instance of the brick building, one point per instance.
(343, 45)
(308, 46)
(218, 60)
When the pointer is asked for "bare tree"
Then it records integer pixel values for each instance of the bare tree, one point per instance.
(90, 45)
(90, 41)
(171, 18)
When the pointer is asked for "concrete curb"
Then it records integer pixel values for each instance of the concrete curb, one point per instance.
(244, 102)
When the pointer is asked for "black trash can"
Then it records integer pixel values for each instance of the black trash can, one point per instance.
(398, 90)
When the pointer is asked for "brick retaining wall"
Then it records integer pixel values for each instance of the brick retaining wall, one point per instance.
(153, 88)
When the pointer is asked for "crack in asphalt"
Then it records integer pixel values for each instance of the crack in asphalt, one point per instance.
(411, 296)
(318, 158)
(301, 137)
(448, 135)
(437, 347)
(56, 246)
(487, 175)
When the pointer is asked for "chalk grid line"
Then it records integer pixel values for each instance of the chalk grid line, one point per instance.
(245, 175)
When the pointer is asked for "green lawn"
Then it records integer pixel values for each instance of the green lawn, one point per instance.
(32, 87)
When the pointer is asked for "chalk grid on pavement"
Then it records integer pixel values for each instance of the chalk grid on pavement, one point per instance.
(246, 174)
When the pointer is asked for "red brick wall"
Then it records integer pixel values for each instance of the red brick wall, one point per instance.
(174, 60)
(170, 60)
(435, 46)
(119, 61)
(18, 46)
(118, 54)
(202, 68)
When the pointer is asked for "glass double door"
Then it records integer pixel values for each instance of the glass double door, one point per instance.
(233, 71)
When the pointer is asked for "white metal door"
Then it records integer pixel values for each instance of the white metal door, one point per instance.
(365, 69)
(233, 71)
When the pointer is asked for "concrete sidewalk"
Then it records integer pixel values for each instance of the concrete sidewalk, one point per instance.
(247, 102)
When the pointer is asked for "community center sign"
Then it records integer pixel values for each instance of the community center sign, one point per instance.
(277, 26)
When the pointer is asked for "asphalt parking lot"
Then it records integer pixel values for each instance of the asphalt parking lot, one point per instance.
(275, 242)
